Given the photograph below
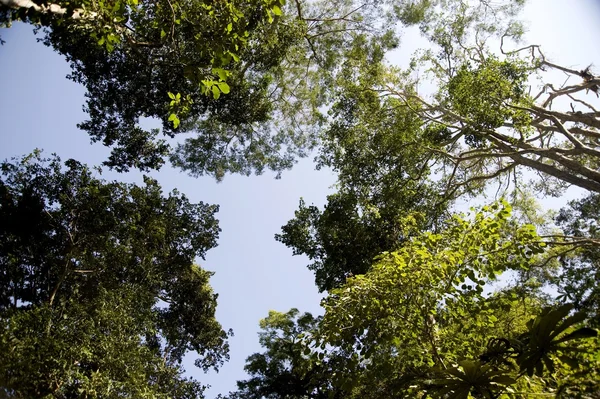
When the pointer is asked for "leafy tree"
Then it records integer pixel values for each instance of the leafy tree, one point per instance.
(166, 60)
(246, 76)
(249, 79)
(417, 318)
(482, 123)
(381, 181)
(100, 296)
(384, 153)
(449, 267)
(461, 115)
(578, 277)
(290, 367)
(342, 240)
(419, 323)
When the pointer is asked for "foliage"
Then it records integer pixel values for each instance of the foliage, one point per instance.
(450, 267)
(578, 278)
(413, 304)
(383, 182)
(100, 295)
(290, 367)
(247, 77)
(178, 78)
(385, 154)
(296, 64)
(343, 239)
(419, 321)
(470, 116)
(176, 61)
(416, 322)
(502, 82)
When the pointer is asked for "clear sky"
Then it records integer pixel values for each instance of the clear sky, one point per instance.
(39, 108)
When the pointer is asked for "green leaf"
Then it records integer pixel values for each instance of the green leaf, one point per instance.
(584, 332)
(224, 87)
(221, 72)
(276, 10)
(570, 321)
(162, 34)
(216, 92)
(503, 380)
(173, 118)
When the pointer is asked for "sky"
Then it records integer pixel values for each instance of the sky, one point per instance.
(40, 108)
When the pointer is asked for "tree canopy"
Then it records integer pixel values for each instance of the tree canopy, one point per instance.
(246, 78)
(419, 323)
(245, 82)
(100, 293)
(414, 299)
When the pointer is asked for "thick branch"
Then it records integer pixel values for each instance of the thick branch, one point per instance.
(561, 68)
(550, 153)
(580, 117)
(551, 170)
(575, 130)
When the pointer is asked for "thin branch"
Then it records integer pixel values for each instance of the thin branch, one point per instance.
(568, 134)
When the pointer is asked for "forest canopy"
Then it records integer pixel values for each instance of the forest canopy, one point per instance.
(101, 291)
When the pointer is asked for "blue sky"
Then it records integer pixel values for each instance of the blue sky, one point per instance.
(40, 108)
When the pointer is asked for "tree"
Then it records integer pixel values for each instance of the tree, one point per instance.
(237, 73)
(522, 130)
(100, 296)
(484, 123)
(460, 114)
(174, 61)
(578, 277)
(166, 60)
(380, 146)
(419, 323)
(417, 318)
(290, 367)
(381, 181)
(570, 265)
(342, 240)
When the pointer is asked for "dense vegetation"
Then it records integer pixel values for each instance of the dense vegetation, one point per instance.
(100, 295)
